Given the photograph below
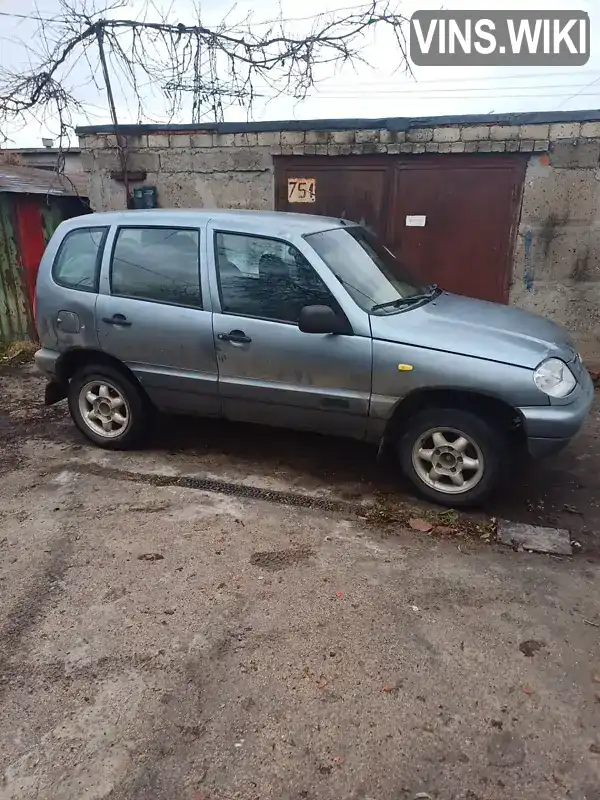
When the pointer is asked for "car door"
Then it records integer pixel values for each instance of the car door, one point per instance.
(150, 315)
(269, 371)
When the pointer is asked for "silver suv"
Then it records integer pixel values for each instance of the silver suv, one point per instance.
(298, 321)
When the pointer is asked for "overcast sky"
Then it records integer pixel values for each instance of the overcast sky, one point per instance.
(378, 90)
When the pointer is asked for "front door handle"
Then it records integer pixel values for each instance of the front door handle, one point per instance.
(117, 319)
(237, 337)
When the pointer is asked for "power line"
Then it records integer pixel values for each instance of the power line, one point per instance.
(29, 16)
(239, 24)
(312, 16)
(430, 97)
(577, 94)
(475, 80)
(469, 89)
(473, 92)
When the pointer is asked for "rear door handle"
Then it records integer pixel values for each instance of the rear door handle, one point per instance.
(117, 319)
(237, 337)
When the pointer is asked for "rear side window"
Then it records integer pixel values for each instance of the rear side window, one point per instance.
(77, 264)
(157, 264)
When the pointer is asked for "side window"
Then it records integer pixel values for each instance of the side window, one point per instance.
(77, 263)
(158, 264)
(266, 278)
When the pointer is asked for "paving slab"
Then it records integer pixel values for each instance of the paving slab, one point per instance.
(535, 538)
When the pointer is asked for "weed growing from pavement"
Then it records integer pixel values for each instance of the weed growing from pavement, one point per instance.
(387, 512)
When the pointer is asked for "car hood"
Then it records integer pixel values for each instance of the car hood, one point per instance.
(477, 328)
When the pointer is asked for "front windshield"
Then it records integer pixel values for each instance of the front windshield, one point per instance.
(369, 271)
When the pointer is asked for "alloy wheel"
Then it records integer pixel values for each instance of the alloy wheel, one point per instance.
(448, 460)
(104, 409)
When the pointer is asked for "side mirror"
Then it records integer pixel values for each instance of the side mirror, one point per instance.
(322, 319)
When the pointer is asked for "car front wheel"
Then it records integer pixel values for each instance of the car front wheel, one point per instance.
(452, 457)
(107, 407)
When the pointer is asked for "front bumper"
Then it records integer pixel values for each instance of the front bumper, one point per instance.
(550, 428)
(541, 448)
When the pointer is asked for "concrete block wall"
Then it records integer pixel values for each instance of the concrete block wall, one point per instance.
(227, 170)
(556, 269)
(197, 170)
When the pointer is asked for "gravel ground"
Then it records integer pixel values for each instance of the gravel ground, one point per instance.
(166, 642)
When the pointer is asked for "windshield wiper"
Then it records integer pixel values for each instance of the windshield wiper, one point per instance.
(413, 298)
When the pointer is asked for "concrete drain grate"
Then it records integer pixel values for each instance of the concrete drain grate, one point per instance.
(221, 487)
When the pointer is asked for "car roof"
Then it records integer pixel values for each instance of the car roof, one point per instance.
(276, 223)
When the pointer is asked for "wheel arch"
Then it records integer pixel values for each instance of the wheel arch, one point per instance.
(498, 412)
(73, 360)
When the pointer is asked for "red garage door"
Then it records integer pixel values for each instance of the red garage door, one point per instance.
(451, 219)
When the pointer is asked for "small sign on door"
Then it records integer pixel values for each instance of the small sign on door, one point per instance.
(302, 190)
(415, 220)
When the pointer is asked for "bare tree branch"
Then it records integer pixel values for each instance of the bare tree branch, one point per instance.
(216, 66)
(213, 67)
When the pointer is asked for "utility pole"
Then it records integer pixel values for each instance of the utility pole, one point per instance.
(121, 143)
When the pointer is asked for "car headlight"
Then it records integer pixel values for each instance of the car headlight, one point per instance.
(554, 378)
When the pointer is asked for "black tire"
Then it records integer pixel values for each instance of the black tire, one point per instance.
(136, 403)
(490, 442)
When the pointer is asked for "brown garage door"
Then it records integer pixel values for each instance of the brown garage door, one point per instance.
(348, 187)
(451, 219)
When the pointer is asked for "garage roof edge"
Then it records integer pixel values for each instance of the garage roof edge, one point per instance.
(386, 123)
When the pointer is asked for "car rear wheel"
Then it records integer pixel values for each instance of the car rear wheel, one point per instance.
(107, 407)
(452, 457)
